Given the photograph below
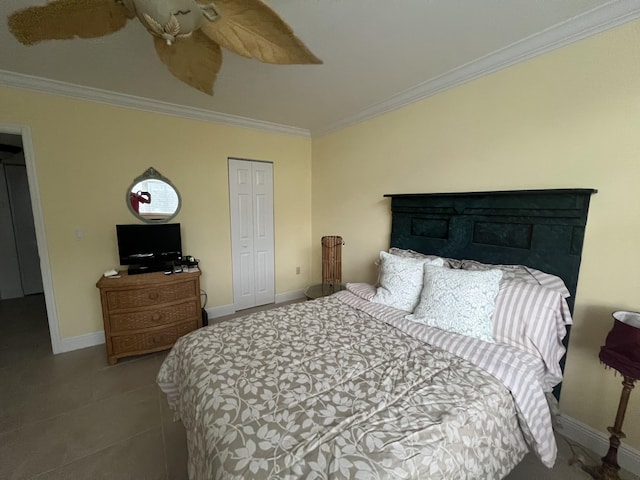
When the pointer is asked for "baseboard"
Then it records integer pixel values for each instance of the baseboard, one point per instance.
(223, 310)
(290, 296)
(82, 341)
(628, 458)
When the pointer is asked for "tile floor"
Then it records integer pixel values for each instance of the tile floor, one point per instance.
(72, 416)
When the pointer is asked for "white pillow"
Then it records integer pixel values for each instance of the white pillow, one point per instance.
(401, 280)
(459, 301)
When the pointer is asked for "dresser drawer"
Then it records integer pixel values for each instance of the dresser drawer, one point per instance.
(152, 340)
(152, 295)
(121, 322)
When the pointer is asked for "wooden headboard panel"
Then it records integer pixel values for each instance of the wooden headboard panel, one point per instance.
(542, 229)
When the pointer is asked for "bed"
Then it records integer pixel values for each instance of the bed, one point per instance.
(444, 369)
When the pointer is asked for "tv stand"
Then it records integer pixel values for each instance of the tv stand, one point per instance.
(158, 267)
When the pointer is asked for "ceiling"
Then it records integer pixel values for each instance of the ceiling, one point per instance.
(378, 55)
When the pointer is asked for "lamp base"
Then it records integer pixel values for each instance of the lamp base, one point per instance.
(609, 468)
(602, 472)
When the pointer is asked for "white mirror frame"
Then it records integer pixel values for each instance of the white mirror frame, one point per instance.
(151, 174)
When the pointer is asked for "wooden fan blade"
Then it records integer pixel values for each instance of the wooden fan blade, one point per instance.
(195, 60)
(66, 19)
(251, 29)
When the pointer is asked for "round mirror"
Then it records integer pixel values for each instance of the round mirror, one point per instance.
(153, 198)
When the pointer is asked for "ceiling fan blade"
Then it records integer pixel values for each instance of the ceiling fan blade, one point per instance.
(195, 60)
(251, 29)
(66, 19)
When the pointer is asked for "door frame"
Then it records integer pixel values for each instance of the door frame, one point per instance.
(41, 239)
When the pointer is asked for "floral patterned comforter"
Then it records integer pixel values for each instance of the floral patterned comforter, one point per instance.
(323, 390)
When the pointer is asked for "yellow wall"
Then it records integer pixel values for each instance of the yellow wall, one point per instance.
(570, 118)
(87, 154)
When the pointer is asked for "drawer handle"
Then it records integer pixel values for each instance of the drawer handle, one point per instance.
(153, 295)
(155, 317)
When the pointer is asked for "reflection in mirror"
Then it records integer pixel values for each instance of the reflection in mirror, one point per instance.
(153, 198)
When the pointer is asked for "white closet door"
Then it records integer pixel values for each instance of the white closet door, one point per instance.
(251, 203)
(263, 243)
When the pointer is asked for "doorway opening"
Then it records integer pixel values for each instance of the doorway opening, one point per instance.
(26, 293)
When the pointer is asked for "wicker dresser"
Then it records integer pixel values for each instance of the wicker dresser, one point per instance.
(148, 312)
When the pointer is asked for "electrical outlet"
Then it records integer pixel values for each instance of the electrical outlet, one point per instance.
(297, 270)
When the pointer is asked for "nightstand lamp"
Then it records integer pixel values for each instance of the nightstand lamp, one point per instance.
(622, 353)
(331, 269)
(332, 263)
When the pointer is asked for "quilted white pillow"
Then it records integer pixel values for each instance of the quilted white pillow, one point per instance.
(459, 301)
(401, 280)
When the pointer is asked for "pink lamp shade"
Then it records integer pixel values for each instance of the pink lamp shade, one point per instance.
(622, 347)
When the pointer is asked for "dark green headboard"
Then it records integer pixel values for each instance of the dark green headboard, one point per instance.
(542, 229)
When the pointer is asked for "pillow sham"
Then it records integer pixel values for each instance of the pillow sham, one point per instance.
(400, 281)
(533, 318)
(458, 301)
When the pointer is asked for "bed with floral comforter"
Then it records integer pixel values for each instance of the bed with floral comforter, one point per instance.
(325, 389)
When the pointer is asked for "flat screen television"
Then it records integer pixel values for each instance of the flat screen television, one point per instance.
(149, 248)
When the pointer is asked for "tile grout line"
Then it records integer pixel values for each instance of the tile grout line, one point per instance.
(164, 440)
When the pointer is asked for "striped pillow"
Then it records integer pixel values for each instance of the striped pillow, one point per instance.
(531, 314)
(521, 273)
(533, 318)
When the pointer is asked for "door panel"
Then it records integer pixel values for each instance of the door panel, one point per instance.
(246, 275)
(245, 217)
(262, 259)
(264, 244)
(241, 205)
(260, 217)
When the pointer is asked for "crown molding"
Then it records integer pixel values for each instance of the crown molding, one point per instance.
(592, 22)
(18, 80)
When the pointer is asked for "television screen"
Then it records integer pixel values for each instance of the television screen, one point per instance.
(149, 244)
